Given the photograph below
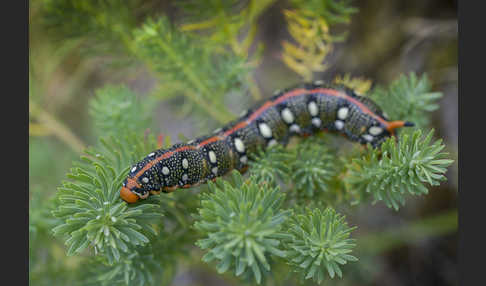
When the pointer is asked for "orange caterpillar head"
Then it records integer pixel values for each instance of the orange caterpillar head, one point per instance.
(131, 191)
(128, 196)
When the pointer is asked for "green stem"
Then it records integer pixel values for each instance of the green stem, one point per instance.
(432, 226)
(214, 108)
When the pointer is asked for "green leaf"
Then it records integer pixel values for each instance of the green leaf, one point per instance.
(319, 240)
(116, 109)
(408, 98)
(404, 168)
(239, 221)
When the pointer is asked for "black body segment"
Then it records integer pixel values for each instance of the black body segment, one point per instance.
(301, 110)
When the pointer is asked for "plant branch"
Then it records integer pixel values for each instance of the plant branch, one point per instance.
(56, 127)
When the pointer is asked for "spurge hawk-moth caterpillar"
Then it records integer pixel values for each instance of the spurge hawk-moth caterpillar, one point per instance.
(300, 110)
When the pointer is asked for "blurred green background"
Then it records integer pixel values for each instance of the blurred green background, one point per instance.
(415, 246)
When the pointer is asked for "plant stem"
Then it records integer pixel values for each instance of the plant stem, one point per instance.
(214, 108)
(56, 127)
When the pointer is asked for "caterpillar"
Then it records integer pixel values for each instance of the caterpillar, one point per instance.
(301, 110)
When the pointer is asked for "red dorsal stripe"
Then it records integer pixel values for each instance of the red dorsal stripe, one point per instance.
(298, 92)
(258, 112)
(162, 157)
(361, 106)
(210, 140)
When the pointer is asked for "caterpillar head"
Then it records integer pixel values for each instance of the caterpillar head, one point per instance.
(132, 191)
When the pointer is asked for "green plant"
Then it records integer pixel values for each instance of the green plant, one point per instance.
(285, 215)
(243, 225)
(319, 243)
(402, 168)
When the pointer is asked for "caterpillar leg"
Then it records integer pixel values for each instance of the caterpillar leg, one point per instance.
(244, 169)
(169, 189)
(155, 192)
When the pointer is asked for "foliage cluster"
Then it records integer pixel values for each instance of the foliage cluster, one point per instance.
(284, 214)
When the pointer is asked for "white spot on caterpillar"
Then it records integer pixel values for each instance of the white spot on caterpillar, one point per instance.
(185, 163)
(217, 130)
(313, 110)
(151, 154)
(343, 113)
(367, 137)
(184, 177)
(245, 112)
(316, 122)
(244, 159)
(295, 128)
(339, 124)
(133, 169)
(272, 142)
(287, 115)
(277, 92)
(265, 130)
(212, 156)
(240, 146)
(190, 142)
(215, 170)
(145, 180)
(319, 82)
(165, 171)
(375, 130)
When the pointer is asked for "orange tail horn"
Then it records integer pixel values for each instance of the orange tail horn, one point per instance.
(397, 124)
